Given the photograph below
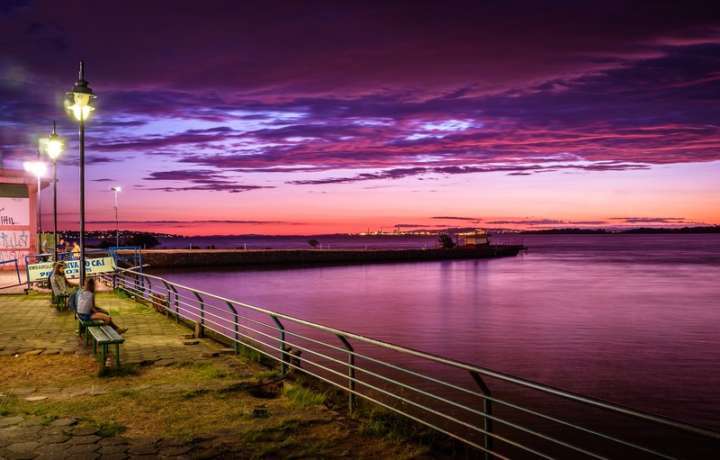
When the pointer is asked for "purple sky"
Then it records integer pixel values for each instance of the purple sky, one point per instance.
(300, 117)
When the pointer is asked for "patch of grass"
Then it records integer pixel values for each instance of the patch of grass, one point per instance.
(48, 419)
(211, 372)
(251, 354)
(127, 392)
(190, 394)
(121, 293)
(268, 375)
(303, 397)
(7, 404)
(109, 429)
(123, 371)
(375, 421)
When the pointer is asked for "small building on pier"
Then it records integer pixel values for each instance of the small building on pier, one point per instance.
(473, 239)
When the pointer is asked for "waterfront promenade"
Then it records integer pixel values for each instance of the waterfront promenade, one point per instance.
(175, 397)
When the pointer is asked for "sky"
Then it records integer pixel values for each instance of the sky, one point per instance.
(224, 117)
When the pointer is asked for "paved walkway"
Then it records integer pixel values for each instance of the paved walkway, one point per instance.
(31, 437)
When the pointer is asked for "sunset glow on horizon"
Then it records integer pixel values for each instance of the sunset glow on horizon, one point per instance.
(348, 117)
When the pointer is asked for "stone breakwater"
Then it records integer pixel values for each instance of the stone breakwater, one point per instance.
(302, 257)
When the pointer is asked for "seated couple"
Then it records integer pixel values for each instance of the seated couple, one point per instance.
(82, 301)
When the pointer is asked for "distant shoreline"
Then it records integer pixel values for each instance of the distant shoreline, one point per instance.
(636, 231)
(709, 229)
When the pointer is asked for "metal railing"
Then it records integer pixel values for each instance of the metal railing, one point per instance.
(500, 415)
(17, 271)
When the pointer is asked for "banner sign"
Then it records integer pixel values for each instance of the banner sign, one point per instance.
(42, 271)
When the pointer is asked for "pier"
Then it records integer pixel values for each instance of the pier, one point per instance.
(167, 258)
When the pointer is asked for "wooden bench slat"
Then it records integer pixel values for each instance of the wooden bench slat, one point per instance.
(112, 334)
(98, 334)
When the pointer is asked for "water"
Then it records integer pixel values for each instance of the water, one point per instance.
(633, 319)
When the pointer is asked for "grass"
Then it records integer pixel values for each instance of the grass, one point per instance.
(110, 429)
(187, 402)
(303, 397)
(191, 400)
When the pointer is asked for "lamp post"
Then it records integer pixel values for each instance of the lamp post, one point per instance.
(78, 104)
(117, 189)
(37, 169)
(53, 146)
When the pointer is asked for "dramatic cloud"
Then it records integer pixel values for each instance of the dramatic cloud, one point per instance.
(455, 218)
(345, 93)
(207, 221)
(200, 180)
(650, 220)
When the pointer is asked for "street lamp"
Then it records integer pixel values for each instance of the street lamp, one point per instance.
(53, 147)
(78, 104)
(37, 169)
(117, 189)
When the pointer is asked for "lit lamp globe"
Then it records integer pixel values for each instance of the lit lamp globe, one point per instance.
(79, 101)
(36, 168)
(52, 145)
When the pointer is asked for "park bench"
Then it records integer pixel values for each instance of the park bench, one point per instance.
(84, 326)
(103, 337)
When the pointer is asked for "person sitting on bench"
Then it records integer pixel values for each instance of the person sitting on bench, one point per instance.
(86, 309)
(60, 285)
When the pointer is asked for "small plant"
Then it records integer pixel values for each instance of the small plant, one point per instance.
(303, 397)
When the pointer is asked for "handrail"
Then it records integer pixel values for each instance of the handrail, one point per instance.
(209, 321)
(17, 271)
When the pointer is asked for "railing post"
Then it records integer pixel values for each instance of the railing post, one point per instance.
(171, 291)
(17, 270)
(351, 372)
(201, 331)
(283, 351)
(137, 285)
(236, 326)
(487, 409)
(114, 281)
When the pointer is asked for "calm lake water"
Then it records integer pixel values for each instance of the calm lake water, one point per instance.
(634, 319)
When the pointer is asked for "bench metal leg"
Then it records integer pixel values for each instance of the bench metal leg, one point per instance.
(117, 356)
(94, 347)
(103, 354)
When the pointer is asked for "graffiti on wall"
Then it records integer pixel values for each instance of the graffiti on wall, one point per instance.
(14, 228)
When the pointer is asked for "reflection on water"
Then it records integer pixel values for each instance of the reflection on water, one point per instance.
(632, 319)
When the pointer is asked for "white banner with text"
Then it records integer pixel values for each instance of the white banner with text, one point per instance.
(42, 271)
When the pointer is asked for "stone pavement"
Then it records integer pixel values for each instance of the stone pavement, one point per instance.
(31, 326)
(31, 437)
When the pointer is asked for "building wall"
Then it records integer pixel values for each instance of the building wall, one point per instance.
(18, 216)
